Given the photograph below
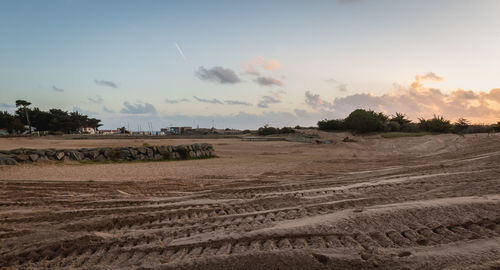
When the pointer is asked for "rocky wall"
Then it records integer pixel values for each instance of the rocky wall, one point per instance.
(164, 152)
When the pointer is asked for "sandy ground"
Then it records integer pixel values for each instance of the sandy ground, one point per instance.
(428, 202)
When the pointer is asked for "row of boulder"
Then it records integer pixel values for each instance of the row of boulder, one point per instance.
(164, 152)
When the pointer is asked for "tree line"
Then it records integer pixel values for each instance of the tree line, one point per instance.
(364, 121)
(52, 121)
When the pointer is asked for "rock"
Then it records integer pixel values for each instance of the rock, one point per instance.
(150, 153)
(60, 155)
(198, 153)
(347, 139)
(163, 150)
(100, 158)
(125, 154)
(42, 159)
(142, 150)
(404, 253)
(192, 154)
(18, 151)
(22, 157)
(50, 153)
(75, 155)
(107, 153)
(34, 157)
(10, 161)
(172, 155)
(92, 154)
(158, 157)
(133, 153)
(7, 161)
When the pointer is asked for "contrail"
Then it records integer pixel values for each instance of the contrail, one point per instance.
(180, 51)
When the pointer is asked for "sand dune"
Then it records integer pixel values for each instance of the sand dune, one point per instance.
(427, 202)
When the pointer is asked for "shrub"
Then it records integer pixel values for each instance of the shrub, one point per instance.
(394, 126)
(335, 124)
(461, 126)
(363, 121)
(400, 119)
(285, 130)
(436, 124)
(480, 129)
(267, 130)
(496, 127)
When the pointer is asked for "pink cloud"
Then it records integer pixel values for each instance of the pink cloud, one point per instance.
(418, 101)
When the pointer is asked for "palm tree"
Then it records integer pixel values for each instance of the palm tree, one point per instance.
(24, 104)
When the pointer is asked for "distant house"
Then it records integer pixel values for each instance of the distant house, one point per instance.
(87, 130)
(176, 130)
(27, 129)
(109, 131)
(4, 131)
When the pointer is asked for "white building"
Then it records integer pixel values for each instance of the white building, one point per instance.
(87, 130)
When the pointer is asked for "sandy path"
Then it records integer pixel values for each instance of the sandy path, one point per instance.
(418, 210)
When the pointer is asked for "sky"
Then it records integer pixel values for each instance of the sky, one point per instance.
(244, 64)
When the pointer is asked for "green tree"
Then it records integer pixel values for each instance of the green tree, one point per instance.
(363, 121)
(461, 125)
(24, 104)
(437, 124)
(334, 124)
(10, 122)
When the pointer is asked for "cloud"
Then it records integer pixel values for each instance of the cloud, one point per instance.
(429, 76)
(107, 110)
(417, 101)
(5, 105)
(259, 62)
(106, 83)
(218, 75)
(212, 101)
(57, 89)
(315, 101)
(180, 51)
(342, 87)
(175, 101)
(138, 108)
(237, 102)
(97, 100)
(268, 81)
(85, 112)
(266, 100)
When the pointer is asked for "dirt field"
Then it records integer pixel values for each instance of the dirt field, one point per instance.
(429, 202)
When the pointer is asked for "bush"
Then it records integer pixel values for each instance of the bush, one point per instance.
(480, 129)
(461, 126)
(437, 124)
(267, 130)
(394, 126)
(335, 124)
(363, 121)
(496, 127)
